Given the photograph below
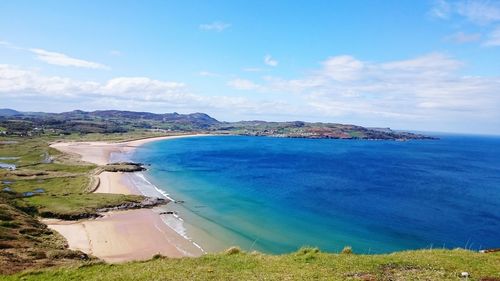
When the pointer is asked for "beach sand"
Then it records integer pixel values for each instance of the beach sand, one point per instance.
(125, 235)
(114, 183)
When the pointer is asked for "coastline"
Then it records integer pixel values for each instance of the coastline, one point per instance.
(122, 236)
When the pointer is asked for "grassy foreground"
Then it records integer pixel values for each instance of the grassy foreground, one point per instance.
(306, 264)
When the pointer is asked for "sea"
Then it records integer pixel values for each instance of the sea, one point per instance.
(276, 195)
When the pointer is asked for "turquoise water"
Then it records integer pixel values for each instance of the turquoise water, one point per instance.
(276, 195)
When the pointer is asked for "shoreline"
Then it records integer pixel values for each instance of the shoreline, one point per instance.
(121, 236)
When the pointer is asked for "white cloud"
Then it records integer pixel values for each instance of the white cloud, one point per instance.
(420, 92)
(493, 38)
(134, 93)
(55, 58)
(243, 84)
(215, 26)
(479, 11)
(17, 81)
(268, 60)
(435, 63)
(441, 9)
(462, 37)
(142, 87)
(342, 68)
(64, 60)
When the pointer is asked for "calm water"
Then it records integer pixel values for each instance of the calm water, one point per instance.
(276, 195)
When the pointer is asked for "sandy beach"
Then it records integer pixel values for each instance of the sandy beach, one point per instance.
(125, 235)
(113, 183)
(99, 152)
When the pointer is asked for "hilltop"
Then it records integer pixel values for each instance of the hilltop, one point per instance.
(13, 122)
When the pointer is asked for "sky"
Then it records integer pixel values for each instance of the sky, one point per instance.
(417, 65)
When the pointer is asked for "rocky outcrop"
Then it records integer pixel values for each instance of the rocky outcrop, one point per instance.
(148, 202)
(127, 167)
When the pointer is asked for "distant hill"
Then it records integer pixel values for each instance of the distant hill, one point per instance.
(197, 120)
(118, 121)
(9, 112)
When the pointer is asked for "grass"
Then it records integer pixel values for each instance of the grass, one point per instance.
(65, 197)
(64, 181)
(57, 167)
(356, 134)
(75, 207)
(27, 243)
(123, 167)
(302, 265)
(52, 185)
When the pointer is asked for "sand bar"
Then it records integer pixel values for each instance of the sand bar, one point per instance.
(125, 235)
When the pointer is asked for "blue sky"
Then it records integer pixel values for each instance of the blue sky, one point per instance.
(420, 65)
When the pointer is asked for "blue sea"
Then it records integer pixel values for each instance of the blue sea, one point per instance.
(276, 195)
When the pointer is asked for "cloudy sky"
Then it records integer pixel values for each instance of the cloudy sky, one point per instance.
(419, 65)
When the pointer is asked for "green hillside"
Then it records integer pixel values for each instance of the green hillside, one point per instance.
(306, 264)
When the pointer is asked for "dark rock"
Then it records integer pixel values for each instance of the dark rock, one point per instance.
(148, 202)
(126, 167)
(168, 213)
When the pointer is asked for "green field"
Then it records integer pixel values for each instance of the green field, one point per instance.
(63, 180)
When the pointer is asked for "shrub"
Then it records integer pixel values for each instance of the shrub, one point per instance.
(67, 254)
(5, 217)
(307, 254)
(32, 231)
(232, 251)
(7, 237)
(346, 250)
(4, 245)
(38, 254)
(9, 224)
(157, 256)
(307, 250)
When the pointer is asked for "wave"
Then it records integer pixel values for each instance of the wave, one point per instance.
(174, 221)
(147, 188)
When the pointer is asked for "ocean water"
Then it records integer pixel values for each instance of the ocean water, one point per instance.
(276, 195)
